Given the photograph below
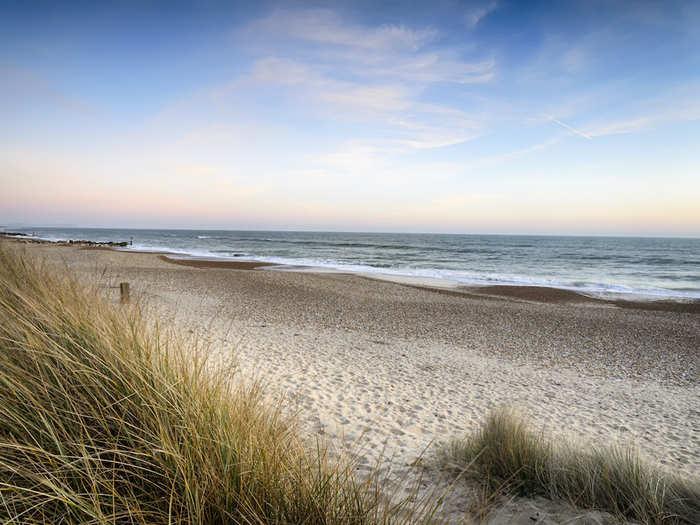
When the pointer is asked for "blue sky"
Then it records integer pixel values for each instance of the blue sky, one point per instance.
(494, 116)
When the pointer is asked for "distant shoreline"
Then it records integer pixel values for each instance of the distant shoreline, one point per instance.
(527, 293)
(539, 294)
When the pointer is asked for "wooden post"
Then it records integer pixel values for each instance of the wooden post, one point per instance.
(124, 292)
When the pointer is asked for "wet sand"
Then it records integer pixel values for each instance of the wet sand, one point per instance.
(203, 263)
(554, 295)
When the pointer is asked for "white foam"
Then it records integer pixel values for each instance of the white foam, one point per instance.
(452, 278)
(201, 254)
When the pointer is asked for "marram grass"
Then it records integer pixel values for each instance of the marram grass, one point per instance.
(509, 455)
(103, 420)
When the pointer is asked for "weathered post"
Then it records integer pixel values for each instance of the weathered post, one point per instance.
(124, 292)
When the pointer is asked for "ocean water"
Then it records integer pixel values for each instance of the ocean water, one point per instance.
(652, 267)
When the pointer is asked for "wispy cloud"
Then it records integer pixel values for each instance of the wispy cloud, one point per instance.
(677, 105)
(380, 53)
(622, 127)
(477, 14)
(327, 27)
(376, 74)
(328, 91)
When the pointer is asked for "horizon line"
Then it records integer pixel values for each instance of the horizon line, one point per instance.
(532, 234)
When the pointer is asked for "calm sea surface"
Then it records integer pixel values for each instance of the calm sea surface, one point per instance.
(659, 267)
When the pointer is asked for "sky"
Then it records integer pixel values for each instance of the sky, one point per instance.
(491, 116)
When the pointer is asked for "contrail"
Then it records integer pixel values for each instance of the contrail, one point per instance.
(565, 125)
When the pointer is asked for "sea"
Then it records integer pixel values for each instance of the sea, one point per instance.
(654, 268)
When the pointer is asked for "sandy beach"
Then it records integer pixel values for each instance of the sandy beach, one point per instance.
(391, 369)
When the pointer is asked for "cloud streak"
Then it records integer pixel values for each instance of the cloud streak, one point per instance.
(571, 128)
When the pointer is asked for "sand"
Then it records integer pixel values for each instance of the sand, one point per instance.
(390, 369)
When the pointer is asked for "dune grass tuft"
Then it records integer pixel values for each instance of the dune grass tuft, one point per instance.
(507, 453)
(105, 420)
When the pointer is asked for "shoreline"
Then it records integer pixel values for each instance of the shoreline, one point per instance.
(525, 292)
(540, 294)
